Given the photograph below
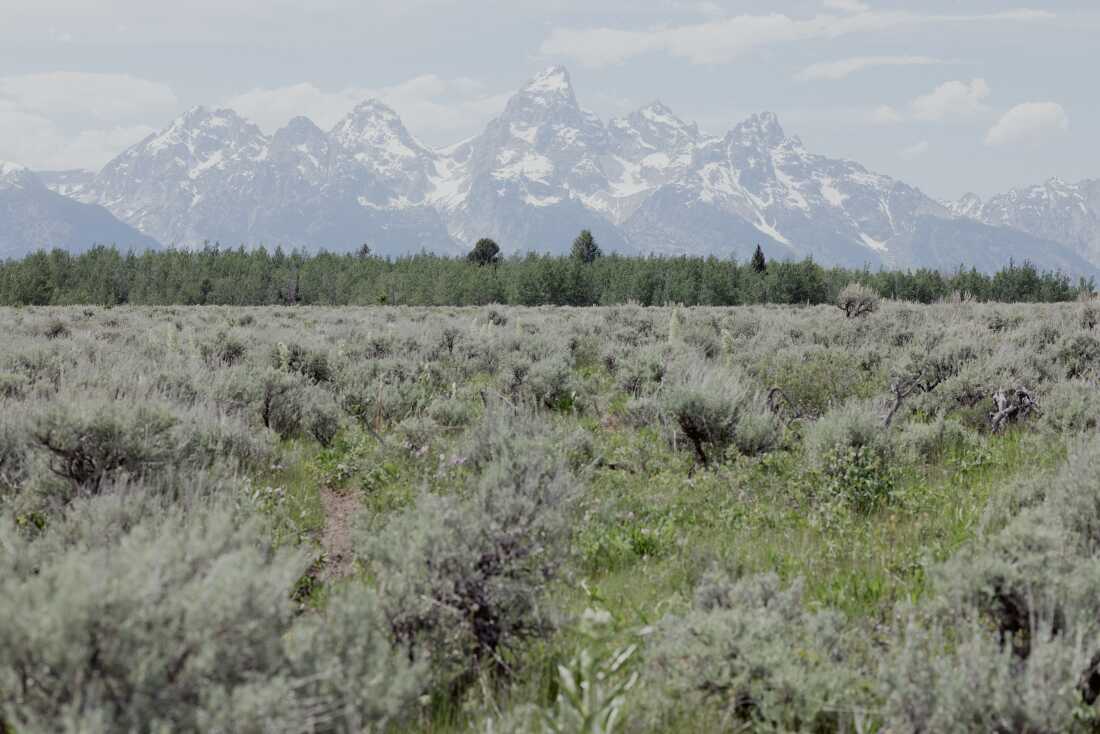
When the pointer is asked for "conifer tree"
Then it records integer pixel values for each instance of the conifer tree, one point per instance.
(585, 248)
(759, 264)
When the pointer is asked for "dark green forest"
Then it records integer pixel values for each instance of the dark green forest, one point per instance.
(221, 276)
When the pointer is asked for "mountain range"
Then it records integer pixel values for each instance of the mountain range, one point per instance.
(31, 215)
(647, 183)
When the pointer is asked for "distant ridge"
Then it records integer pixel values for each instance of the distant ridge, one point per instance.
(546, 168)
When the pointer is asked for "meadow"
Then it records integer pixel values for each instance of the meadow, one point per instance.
(867, 516)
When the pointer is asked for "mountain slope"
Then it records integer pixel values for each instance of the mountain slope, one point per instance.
(32, 217)
(1067, 213)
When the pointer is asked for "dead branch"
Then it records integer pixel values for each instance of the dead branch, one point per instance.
(1012, 406)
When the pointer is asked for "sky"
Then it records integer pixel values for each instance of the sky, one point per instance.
(959, 96)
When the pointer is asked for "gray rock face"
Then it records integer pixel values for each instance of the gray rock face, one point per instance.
(33, 217)
(547, 168)
(1062, 212)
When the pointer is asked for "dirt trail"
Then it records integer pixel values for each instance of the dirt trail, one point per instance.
(336, 538)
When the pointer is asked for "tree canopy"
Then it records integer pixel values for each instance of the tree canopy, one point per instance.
(585, 248)
(485, 252)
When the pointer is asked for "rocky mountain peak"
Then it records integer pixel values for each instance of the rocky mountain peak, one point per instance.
(762, 128)
(374, 133)
(658, 126)
(299, 133)
(15, 176)
(969, 205)
(548, 97)
(549, 83)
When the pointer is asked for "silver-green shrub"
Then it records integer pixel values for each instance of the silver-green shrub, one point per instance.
(757, 433)
(851, 450)
(857, 300)
(854, 425)
(461, 578)
(176, 627)
(1071, 407)
(349, 677)
(752, 649)
(969, 680)
(551, 384)
(14, 457)
(925, 443)
(87, 442)
(707, 404)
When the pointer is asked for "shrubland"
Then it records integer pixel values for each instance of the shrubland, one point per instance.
(877, 518)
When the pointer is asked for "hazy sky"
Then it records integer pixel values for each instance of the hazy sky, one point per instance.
(951, 96)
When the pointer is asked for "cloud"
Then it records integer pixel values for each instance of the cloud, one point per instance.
(952, 100)
(40, 143)
(836, 70)
(721, 40)
(436, 109)
(886, 115)
(102, 97)
(274, 107)
(68, 119)
(1028, 123)
(915, 151)
(847, 6)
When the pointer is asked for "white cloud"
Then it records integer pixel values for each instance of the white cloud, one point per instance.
(847, 6)
(38, 142)
(70, 119)
(952, 100)
(273, 108)
(915, 151)
(721, 40)
(842, 68)
(886, 115)
(1028, 123)
(103, 97)
(436, 109)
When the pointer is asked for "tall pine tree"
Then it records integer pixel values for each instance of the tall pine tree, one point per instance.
(585, 248)
(759, 264)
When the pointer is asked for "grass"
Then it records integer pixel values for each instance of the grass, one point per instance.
(652, 524)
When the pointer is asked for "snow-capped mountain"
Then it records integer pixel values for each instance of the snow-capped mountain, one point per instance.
(536, 176)
(544, 169)
(213, 176)
(1068, 213)
(66, 183)
(33, 217)
(757, 184)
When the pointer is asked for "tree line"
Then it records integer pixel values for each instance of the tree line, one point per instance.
(587, 276)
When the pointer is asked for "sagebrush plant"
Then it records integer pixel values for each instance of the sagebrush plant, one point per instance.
(461, 577)
(857, 300)
(970, 680)
(851, 433)
(501, 455)
(752, 649)
(176, 626)
(86, 443)
(348, 675)
(707, 404)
